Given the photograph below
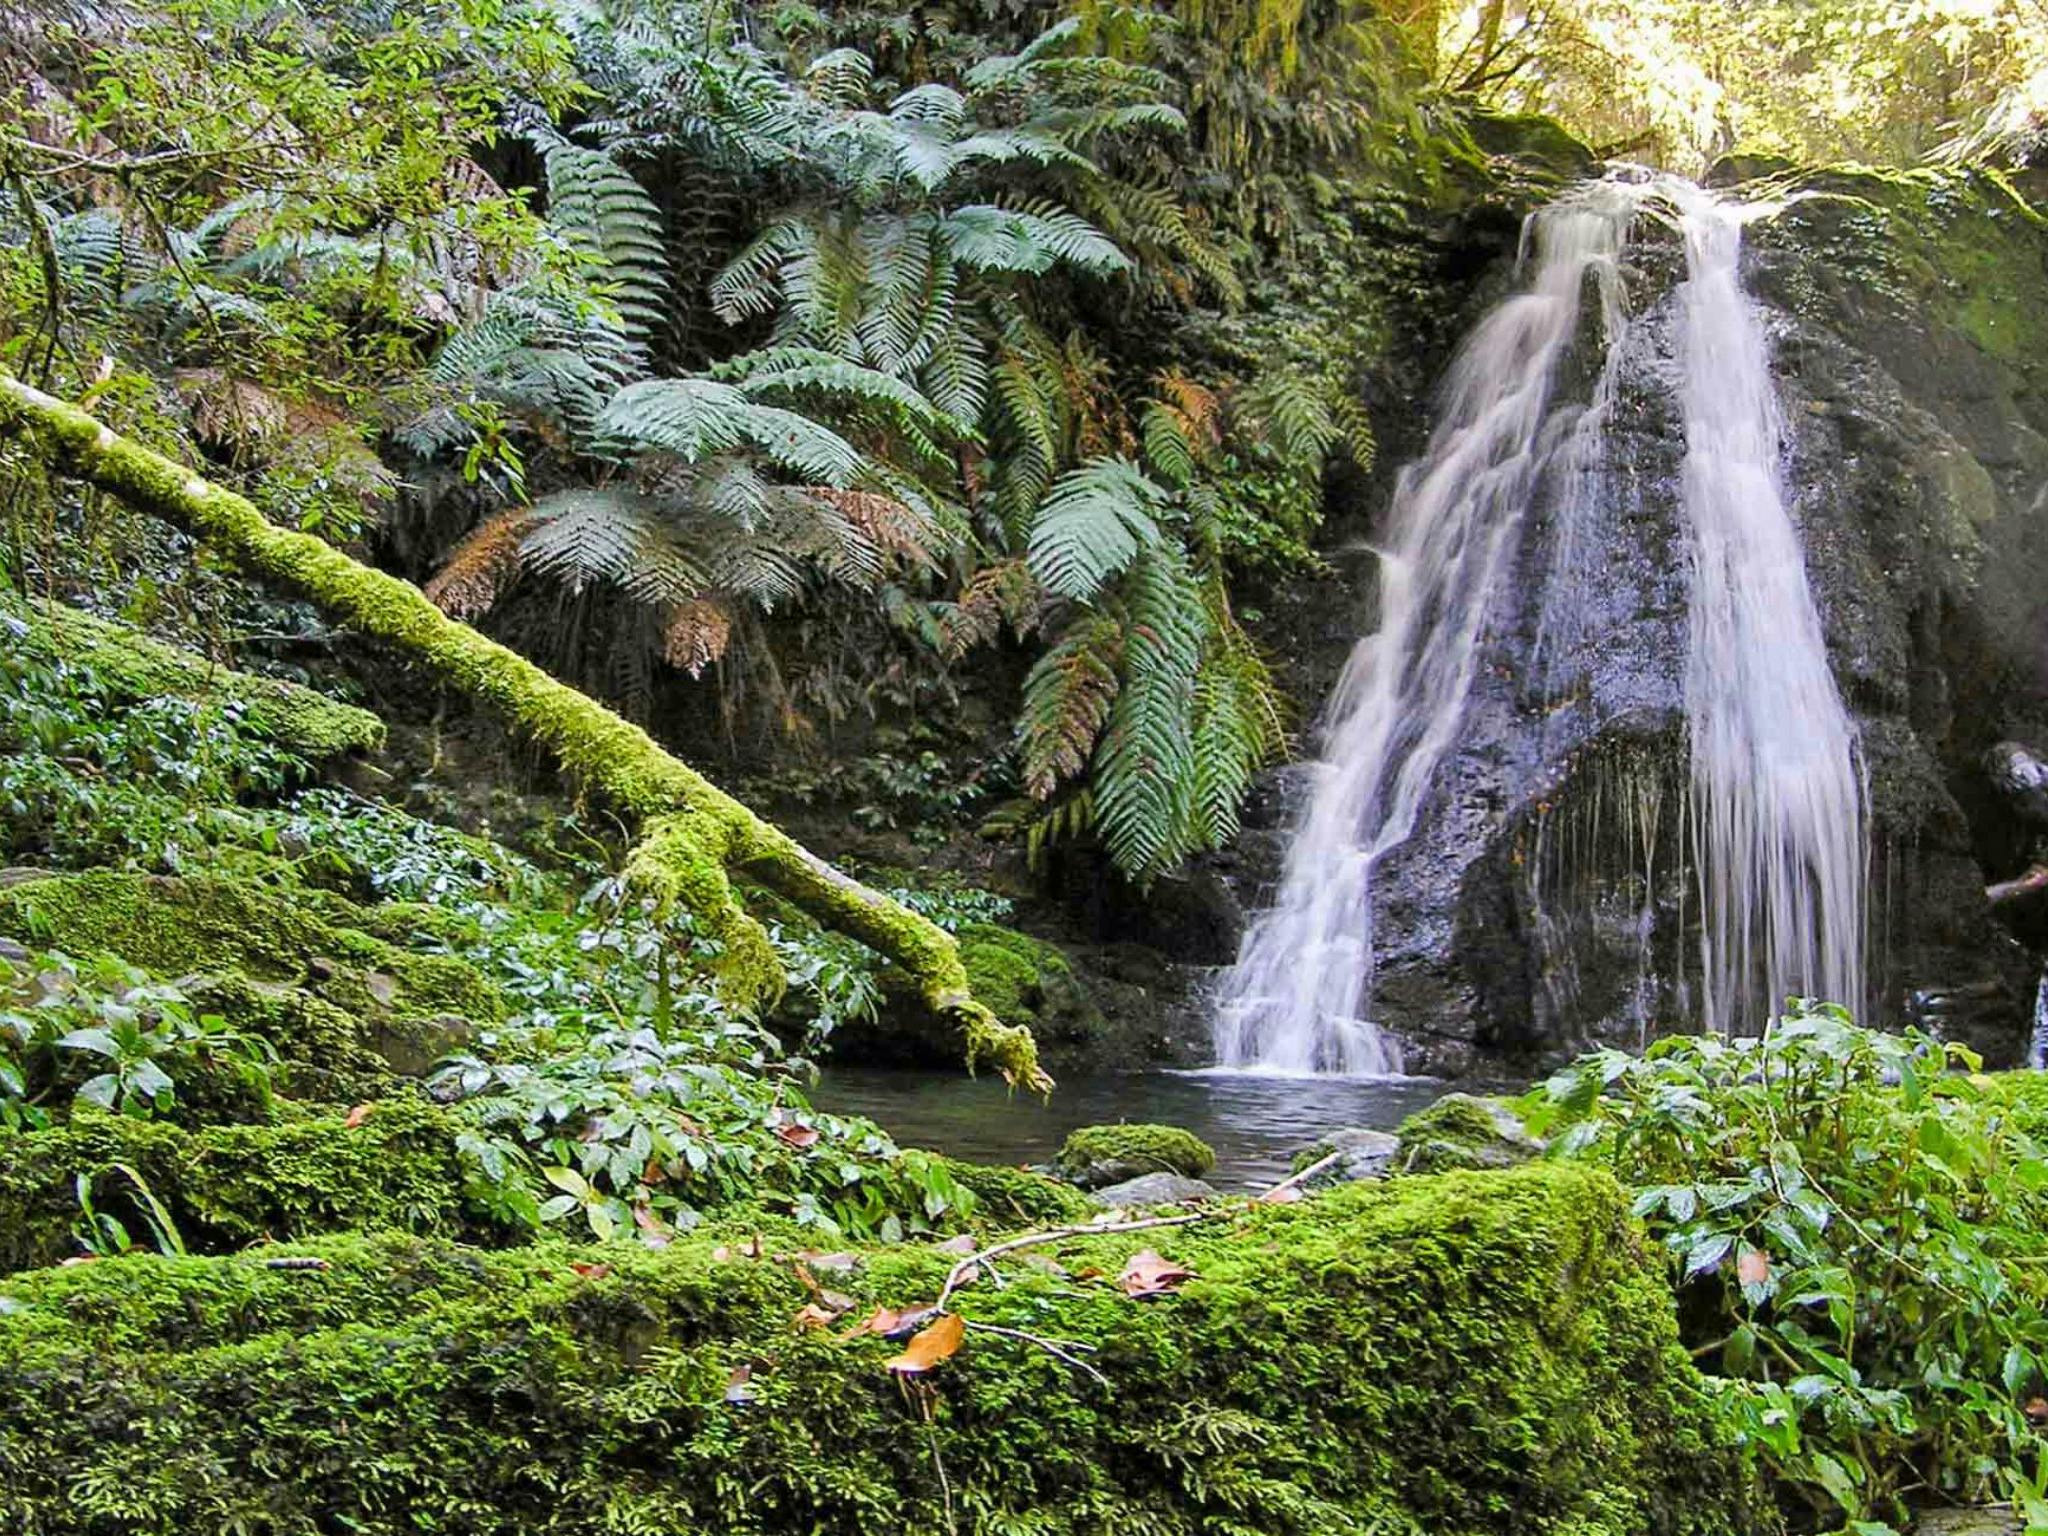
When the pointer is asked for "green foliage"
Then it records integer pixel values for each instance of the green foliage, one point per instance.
(105, 1034)
(1855, 1226)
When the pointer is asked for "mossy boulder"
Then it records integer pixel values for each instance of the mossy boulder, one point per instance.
(1099, 1155)
(214, 925)
(1463, 1355)
(1018, 1196)
(1463, 1130)
(231, 1185)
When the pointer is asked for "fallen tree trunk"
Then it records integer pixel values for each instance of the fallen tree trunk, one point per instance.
(693, 834)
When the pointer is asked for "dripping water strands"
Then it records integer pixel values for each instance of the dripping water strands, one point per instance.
(1299, 997)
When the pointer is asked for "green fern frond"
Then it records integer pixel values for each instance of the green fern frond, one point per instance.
(1143, 771)
(606, 214)
(1095, 521)
(698, 418)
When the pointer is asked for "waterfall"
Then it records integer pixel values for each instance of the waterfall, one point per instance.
(1778, 804)
(1776, 796)
(1297, 999)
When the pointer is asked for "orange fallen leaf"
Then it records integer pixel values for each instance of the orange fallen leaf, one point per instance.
(1147, 1274)
(358, 1115)
(931, 1345)
(811, 1315)
(1753, 1267)
(799, 1136)
(592, 1271)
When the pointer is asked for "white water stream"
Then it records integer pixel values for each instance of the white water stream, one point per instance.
(1777, 800)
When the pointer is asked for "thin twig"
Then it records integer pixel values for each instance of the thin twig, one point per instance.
(1058, 1349)
(959, 1273)
(1309, 1172)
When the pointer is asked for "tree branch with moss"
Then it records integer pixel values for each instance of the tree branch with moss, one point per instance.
(694, 837)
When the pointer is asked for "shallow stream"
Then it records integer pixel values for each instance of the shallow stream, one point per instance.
(1255, 1122)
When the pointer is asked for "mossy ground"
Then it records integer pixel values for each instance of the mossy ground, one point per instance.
(1476, 1353)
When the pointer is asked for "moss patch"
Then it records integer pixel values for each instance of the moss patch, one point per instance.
(1462, 1130)
(1460, 1355)
(134, 667)
(228, 1186)
(209, 924)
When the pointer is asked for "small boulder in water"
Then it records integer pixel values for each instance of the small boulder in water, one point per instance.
(1362, 1154)
(1100, 1155)
(1154, 1189)
(1463, 1130)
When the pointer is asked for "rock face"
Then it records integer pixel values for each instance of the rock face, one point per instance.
(1154, 1189)
(1546, 900)
(1360, 1154)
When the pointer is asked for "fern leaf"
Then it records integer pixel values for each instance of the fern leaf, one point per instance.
(1095, 521)
(1068, 696)
(477, 570)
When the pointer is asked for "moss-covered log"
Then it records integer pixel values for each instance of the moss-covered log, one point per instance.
(694, 834)
(1459, 1355)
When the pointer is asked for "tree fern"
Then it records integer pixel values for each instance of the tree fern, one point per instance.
(608, 216)
(697, 418)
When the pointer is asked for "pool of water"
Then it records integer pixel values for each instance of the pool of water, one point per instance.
(1254, 1122)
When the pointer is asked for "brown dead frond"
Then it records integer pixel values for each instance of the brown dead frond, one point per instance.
(479, 569)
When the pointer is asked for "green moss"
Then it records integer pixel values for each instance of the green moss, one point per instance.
(228, 1186)
(134, 667)
(1019, 1197)
(1457, 1356)
(1138, 1148)
(1026, 982)
(1462, 1130)
(209, 924)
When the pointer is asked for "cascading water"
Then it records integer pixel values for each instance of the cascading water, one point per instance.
(1777, 822)
(1778, 804)
(1296, 1001)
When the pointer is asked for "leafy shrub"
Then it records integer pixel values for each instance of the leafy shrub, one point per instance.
(1856, 1230)
(104, 1033)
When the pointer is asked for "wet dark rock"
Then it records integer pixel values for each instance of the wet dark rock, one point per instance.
(1153, 1189)
(1361, 1154)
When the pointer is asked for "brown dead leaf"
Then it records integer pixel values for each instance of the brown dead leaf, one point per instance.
(931, 1345)
(739, 1385)
(592, 1271)
(889, 1323)
(811, 1315)
(1147, 1274)
(358, 1115)
(1753, 1267)
(799, 1136)
(2036, 1411)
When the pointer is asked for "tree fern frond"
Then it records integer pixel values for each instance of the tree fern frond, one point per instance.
(697, 418)
(477, 570)
(1095, 521)
(607, 215)
(696, 635)
(579, 536)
